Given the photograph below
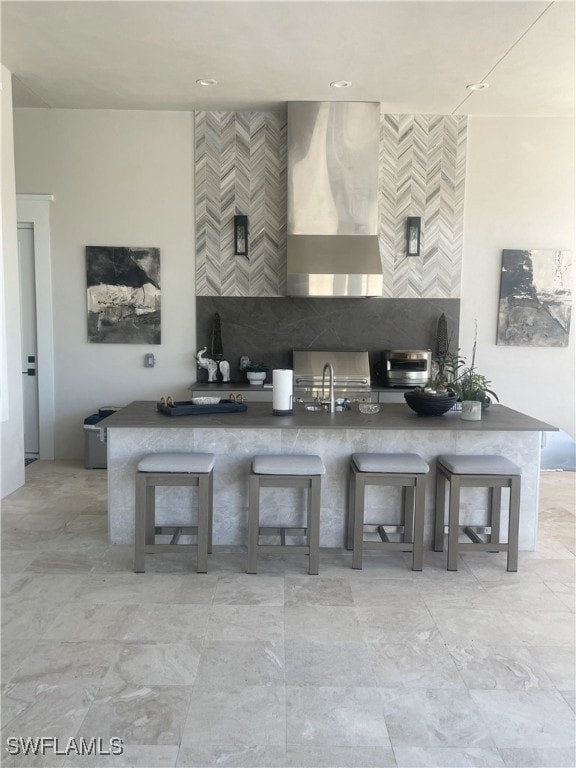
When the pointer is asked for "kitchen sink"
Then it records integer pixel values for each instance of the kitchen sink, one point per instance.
(316, 406)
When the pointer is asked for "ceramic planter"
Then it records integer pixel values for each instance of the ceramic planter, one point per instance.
(471, 410)
(256, 378)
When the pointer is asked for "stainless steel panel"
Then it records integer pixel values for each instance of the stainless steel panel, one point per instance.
(351, 372)
(333, 168)
(345, 363)
(407, 378)
(333, 245)
(333, 285)
(329, 255)
(343, 265)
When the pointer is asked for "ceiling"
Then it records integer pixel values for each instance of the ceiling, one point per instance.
(412, 56)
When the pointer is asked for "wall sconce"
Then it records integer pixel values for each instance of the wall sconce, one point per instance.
(240, 235)
(413, 224)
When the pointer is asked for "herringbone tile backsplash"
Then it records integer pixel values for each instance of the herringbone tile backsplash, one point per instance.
(240, 167)
(422, 173)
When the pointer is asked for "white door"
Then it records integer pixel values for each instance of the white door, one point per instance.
(29, 339)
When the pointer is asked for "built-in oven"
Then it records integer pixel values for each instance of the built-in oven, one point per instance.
(406, 367)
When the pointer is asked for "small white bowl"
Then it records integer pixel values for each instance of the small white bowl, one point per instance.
(369, 408)
(205, 400)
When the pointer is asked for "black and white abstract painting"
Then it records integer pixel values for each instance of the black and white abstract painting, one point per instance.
(535, 298)
(123, 295)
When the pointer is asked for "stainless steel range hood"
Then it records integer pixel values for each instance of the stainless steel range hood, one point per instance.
(333, 199)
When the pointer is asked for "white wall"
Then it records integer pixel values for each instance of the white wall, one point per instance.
(11, 421)
(519, 194)
(118, 178)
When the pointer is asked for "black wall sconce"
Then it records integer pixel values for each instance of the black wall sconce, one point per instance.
(240, 235)
(413, 224)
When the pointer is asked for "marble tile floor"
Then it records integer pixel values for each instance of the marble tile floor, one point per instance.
(379, 667)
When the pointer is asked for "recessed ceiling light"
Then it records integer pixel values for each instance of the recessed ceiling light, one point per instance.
(478, 86)
(207, 82)
(341, 84)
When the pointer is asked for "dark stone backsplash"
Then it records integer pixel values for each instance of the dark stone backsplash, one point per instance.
(268, 329)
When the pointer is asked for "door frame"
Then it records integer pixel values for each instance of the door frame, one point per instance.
(35, 209)
(29, 344)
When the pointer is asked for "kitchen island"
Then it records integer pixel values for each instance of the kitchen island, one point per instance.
(234, 438)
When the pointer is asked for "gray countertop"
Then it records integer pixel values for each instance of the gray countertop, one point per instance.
(394, 416)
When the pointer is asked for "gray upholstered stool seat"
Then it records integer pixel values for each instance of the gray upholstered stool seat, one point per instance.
(470, 471)
(490, 464)
(407, 470)
(390, 462)
(287, 464)
(173, 469)
(177, 462)
(285, 471)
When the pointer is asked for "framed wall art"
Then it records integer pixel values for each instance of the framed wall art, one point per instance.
(535, 307)
(123, 288)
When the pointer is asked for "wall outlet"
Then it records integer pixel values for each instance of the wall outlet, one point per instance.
(149, 360)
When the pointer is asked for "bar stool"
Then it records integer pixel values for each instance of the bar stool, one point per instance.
(469, 471)
(407, 470)
(173, 469)
(285, 471)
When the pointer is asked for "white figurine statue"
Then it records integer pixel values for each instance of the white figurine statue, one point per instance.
(205, 362)
(224, 366)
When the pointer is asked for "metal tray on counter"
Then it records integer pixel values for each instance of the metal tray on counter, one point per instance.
(186, 408)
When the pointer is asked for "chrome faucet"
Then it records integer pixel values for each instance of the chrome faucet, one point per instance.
(331, 402)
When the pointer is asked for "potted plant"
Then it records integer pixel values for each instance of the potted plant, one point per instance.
(453, 380)
(256, 373)
(471, 387)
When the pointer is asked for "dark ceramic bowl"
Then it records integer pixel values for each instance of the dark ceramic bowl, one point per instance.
(430, 405)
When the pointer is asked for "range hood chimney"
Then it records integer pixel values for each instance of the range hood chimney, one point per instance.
(333, 199)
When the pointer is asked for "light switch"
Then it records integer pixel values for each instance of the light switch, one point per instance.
(149, 360)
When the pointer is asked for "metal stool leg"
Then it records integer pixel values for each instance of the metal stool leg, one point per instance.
(314, 525)
(253, 522)
(513, 524)
(150, 507)
(140, 525)
(408, 512)
(418, 545)
(453, 522)
(210, 510)
(495, 506)
(440, 512)
(359, 491)
(203, 534)
(351, 509)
